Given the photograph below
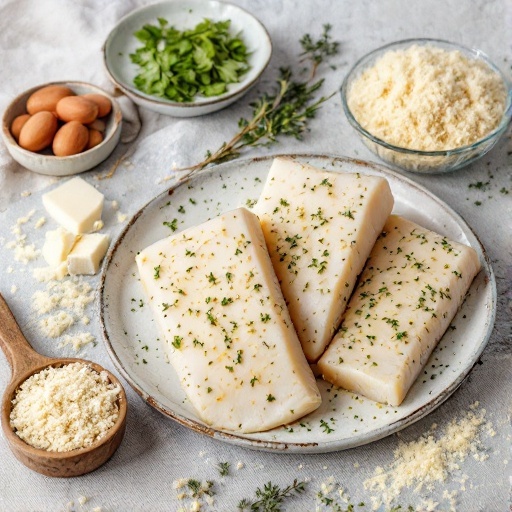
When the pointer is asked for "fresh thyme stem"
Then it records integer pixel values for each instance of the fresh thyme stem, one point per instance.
(286, 113)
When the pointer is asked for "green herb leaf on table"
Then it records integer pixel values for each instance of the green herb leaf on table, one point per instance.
(271, 497)
(179, 65)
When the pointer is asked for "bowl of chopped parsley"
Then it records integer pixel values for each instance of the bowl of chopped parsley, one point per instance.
(187, 58)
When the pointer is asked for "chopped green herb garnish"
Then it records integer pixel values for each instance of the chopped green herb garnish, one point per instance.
(179, 65)
(173, 224)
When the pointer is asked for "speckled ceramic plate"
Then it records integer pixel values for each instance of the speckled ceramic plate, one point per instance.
(344, 420)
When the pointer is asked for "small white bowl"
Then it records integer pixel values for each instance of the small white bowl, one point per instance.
(184, 14)
(46, 163)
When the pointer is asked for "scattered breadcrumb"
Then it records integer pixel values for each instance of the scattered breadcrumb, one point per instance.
(14, 289)
(25, 193)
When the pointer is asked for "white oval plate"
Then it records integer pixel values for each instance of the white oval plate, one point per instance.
(185, 14)
(344, 420)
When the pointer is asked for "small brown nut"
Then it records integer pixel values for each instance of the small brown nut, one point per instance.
(104, 104)
(72, 138)
(17, 125)
(95, 138)
(47, 98)
(38, 131)
(77, 108)
(98, 124)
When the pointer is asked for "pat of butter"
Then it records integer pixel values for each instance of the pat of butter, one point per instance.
(58, 244)
(86, 256)
(75, 205)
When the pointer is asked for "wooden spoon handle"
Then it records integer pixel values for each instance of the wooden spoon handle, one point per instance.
(20, 355)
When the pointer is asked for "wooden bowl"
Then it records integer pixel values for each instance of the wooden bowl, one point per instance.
(24, 362)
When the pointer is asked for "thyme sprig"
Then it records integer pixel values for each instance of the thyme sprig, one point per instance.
(223, 468)
(317, 51)
(284, 112)
(271, 497)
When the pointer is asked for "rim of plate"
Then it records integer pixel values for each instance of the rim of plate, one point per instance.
(304, 447)
(240, 88)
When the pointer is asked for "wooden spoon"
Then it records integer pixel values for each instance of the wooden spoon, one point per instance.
(24, 362)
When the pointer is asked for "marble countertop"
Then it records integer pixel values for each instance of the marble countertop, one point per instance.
(47, 40)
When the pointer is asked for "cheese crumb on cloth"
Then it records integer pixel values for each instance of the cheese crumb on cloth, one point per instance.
(64, 408)
(429, 99)
(430, 459)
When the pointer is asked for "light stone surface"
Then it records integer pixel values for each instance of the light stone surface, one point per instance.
(44, 40)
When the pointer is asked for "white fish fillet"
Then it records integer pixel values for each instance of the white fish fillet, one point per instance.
(227, 329)
(319, 227)
(413, 284)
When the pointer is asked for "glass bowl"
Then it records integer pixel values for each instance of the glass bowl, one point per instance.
(426, 162)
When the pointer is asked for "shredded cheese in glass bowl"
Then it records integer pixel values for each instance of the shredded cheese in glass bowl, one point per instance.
(426, 105)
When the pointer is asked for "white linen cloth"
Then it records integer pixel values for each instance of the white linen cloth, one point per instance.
(51, 40)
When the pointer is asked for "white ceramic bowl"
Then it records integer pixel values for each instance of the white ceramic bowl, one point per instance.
(184, 14)
(46, 163)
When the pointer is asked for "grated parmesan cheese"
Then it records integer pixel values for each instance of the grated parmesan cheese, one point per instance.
(64, 408)
(428, 99)
(77, 341)
(67, 301)
(422, 463)
(121, 217)
(40, 222)
(54, 325)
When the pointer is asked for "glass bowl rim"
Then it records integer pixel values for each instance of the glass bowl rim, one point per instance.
(477, 55)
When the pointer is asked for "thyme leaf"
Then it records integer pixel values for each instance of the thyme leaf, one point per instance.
(271, 497)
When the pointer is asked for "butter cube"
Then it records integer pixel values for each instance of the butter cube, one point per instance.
(75, 205)
(58, 244)
(86, 256)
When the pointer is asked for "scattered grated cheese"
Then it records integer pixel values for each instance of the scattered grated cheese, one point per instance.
(97, 225)
(67, 300)
(25, 253)
(77, 341)
(64, 408)
(40, 222)
(121, 217)
(54, 325)
(46, 274)
(422, 463)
